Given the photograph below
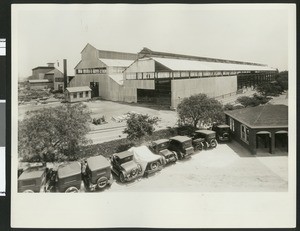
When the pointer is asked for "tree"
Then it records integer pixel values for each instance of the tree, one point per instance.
(53, 134)
(139, 125)
(200, 109)
(255, 100)
(270, 89)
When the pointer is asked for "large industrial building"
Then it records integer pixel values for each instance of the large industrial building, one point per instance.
(163, 78)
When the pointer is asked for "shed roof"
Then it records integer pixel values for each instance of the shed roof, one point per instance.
(116, 62)
(196, 65)
(180, 138)
(78, 89)
(97, 162)
(262, 116)
(32, 173)
(69, 169)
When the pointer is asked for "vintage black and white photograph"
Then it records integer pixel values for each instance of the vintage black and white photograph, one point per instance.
(126, 100)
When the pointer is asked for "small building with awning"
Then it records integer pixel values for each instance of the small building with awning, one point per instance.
(260, 129)
(77, 94)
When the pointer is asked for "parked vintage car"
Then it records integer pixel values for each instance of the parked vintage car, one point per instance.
(223, 132)
(182, 145)
(33, 179)
(150, 162)
(204, 139)
(96, 173)
(160, 147)
(125, 167)
(68, 178)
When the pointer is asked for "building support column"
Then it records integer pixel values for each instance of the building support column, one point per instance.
(272, 143)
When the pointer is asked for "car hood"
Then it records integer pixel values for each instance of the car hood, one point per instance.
(165, 152)
(128, 166)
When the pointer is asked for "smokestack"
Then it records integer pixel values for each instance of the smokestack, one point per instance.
(65, 75)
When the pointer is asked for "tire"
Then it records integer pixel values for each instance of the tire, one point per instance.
(72, 189)
(28, 191)
(213, 143)
(102, 182)
(122, 177)
(154, 165)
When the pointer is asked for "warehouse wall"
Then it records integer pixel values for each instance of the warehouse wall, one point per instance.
(212, 86)
(108, 88)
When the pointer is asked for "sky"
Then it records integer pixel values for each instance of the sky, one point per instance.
(51, 33)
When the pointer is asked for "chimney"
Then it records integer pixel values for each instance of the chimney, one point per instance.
(50, 64)
(66, 81)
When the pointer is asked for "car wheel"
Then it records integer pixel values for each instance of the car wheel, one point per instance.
(28, 191)
(154, 165)
(122, 178)
(213, 143)
(72, 189)
(102, 182)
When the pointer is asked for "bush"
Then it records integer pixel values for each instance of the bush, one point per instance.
(100, 120)
(253, 101)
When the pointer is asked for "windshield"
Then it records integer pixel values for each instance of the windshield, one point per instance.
(126, 159)
(222, 130)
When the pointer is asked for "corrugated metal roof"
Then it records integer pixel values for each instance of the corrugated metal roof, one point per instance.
(195, 65)
(39, 81)
(77, 89)
(117, 62)
(262, 116)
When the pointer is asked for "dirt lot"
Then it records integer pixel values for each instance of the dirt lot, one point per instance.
(217, 170)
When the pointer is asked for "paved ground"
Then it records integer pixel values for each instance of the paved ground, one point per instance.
(217, 170)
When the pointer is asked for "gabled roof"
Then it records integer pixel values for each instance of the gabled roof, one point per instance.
(266, 116)
(197, 65)
(77, 89)
(116, 62)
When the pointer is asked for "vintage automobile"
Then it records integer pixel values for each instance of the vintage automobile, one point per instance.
(160, 147)
(150, 162)
(125, 167)
(182, 145)
(68, 178)
(33, 179)
(223, 132)
(204, 139)
(96, 173)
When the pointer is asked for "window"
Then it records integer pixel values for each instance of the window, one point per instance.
(79, 71)
(86, 94)
(81, 95)
(244, 133)
(57, 79)
(231, 124)
(75, 95)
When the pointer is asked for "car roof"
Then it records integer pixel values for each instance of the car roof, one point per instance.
(180, 138)
(205, 132)
(32, 173)
(69, 169)
(160, 141)
(223, 126)
(124, 154)
(97, 162)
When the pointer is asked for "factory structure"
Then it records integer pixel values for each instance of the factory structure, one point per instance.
(162, 78)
